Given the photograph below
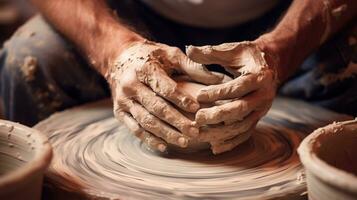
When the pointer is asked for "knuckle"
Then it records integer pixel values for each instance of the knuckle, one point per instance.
(128, 84)
(213, 90)
(147, 66)
(175, 55)
(122, 103)
(118, 109)
(148, 139)
(218, 111)
(149, 120)
(128, 81)
(171, 136)
(170, 91)
(159, 107)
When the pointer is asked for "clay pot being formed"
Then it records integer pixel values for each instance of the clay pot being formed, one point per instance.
(24, 156)
(329, 156)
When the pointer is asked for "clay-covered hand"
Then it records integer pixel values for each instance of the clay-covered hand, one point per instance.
(145, 95)
(250, 93)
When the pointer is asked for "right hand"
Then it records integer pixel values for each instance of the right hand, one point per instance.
(145, 95)
(247, 98)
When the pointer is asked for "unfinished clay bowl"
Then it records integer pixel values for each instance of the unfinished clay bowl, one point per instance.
(329, 156)
(24, 156)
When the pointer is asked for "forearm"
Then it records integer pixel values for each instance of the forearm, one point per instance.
(304, 27)
(91, 26)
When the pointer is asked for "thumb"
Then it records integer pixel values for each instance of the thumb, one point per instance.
(199, 72)
(224, 54)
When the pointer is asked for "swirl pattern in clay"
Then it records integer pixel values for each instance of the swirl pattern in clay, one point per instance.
(98, 157)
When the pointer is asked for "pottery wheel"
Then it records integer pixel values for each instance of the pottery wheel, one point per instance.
(96, 156)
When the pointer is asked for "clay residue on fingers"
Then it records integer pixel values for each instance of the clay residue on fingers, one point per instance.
(150, 140)
(235, 110)
(165, 111)
(233, 89)
(228, 55)
(189, 87)
(157, 127)
(152, 75)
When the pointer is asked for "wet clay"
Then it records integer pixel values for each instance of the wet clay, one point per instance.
(142, 86)
(96, 156)
(329, 156)
(339, 149)
(251, 91)
(24, 156)
(194, 144)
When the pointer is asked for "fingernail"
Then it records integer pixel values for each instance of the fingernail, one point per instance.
(190, 104)
(194, 107)
(161, 147)
(202, 96)
(182, 141)
(193, 131)
(215, 150)
(199, 118)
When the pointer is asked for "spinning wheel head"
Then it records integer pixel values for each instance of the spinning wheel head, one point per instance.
(97, 156)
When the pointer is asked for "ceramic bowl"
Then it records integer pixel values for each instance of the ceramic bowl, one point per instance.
(329, 156)
(24, 156)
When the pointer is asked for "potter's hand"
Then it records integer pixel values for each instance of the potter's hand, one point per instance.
(143, 91)
(251, 93)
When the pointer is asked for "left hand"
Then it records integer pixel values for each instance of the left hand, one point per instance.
(146, 97)
(251, 93)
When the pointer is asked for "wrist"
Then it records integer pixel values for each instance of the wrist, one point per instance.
(107, 46)
(278, 53)
(115, 47)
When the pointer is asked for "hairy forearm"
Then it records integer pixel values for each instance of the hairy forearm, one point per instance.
(306, 25)
(97, 33)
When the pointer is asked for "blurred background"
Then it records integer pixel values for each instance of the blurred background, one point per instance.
(13, 13)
